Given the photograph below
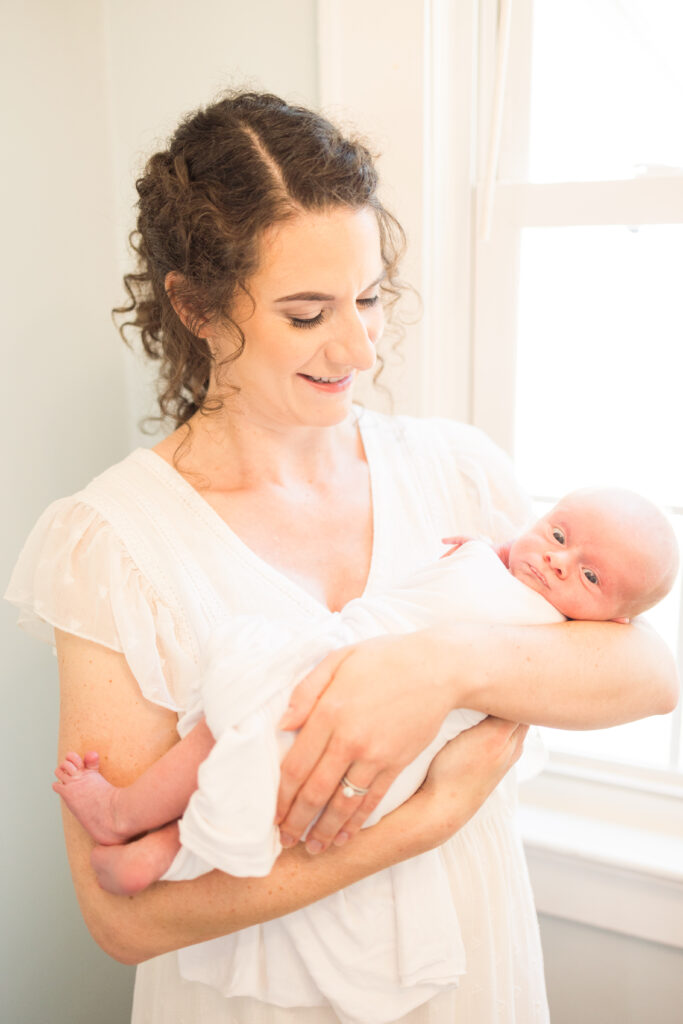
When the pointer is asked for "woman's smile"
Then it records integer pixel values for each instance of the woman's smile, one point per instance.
(329, 385)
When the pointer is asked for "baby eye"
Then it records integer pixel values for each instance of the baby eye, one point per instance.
(558, 535)
(297, 321)
(590, 576)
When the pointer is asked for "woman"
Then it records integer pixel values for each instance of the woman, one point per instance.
(265, 254)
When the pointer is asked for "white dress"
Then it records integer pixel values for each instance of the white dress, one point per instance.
(139, 562)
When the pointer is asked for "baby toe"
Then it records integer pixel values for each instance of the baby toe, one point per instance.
(74, 759)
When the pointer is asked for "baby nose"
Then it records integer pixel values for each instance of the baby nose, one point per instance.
(557, 560)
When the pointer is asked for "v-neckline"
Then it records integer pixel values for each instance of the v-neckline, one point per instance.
(222, 529)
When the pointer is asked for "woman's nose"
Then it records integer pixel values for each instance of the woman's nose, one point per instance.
(354, 344)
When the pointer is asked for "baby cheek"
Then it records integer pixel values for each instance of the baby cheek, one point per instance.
(593, 608)
(576, 605)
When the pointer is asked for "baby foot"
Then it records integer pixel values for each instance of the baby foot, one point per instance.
(90, 798)
(125, 870)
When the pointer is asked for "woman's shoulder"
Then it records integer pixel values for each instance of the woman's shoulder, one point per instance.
(87, 569)
(127, 480)
(458, 460)
(434, 435)
(137, 499)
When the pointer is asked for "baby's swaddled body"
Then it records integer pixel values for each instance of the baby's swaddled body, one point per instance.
(373, 959)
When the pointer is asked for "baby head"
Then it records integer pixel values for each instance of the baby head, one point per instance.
(599, 554)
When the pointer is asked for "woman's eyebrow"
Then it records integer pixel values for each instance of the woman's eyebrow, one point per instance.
(319, 297)
(307, 297)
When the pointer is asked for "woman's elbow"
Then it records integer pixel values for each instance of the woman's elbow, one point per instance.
(670, 693)
(118, 943)
(665, 684)
(658, 673)
(124, 927)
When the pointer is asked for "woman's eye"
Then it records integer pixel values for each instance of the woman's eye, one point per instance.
(297, 321)
(558, 535)
(366, 303)
(590, 576)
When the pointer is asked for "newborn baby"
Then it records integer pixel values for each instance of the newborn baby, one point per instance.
(599, 554)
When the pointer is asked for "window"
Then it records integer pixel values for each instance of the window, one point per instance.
(578, 336)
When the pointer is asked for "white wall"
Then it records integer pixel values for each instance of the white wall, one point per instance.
(165, 59)
(87, 87)
(601, 977)
(63, 419)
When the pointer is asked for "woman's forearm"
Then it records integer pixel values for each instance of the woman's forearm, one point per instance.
(573, 675)
(170, 915)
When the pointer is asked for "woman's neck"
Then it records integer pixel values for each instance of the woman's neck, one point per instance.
(235, 450)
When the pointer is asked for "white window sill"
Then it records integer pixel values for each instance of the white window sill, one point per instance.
(605, 856)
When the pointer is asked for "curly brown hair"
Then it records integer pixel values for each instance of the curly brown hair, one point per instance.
(232, 170)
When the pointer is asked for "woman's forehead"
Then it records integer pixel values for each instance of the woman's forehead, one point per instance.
(320, 250)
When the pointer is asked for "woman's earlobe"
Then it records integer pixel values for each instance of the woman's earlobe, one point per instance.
(173, 285)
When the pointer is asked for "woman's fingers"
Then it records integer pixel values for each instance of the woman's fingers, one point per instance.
(306, 694)
(463, 775)
(518, 738)
(315, 793)
(296, 768)
(335, 823)
(487, 749)
(312, 740)
(348, 829)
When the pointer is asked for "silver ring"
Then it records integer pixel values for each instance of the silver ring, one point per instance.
(348, 788)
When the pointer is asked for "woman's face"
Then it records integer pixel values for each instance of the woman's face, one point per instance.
(314, 322)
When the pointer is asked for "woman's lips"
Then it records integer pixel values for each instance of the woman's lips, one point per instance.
(335, 385)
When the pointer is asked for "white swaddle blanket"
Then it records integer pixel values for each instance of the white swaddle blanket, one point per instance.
(385, 945)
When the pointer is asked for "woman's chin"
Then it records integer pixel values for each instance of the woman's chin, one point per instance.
(324, 406)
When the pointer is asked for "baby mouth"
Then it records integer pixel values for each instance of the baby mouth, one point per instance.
(539, 576)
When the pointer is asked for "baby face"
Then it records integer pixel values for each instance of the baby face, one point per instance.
(586, 559)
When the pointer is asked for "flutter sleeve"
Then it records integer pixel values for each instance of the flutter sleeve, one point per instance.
(496, 500)
(75, 574)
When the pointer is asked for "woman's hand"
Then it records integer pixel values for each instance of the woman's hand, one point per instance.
(465, 772)
(364, 712)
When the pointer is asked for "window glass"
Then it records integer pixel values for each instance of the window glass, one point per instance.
(598, 400)
(606, 88)
(600, 360)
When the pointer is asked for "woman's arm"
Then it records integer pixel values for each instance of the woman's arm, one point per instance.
(102, 708)
(573, 675)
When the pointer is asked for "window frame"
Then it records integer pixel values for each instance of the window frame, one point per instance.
(460, 360)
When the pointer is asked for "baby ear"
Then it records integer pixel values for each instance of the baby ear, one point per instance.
(620, 620)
